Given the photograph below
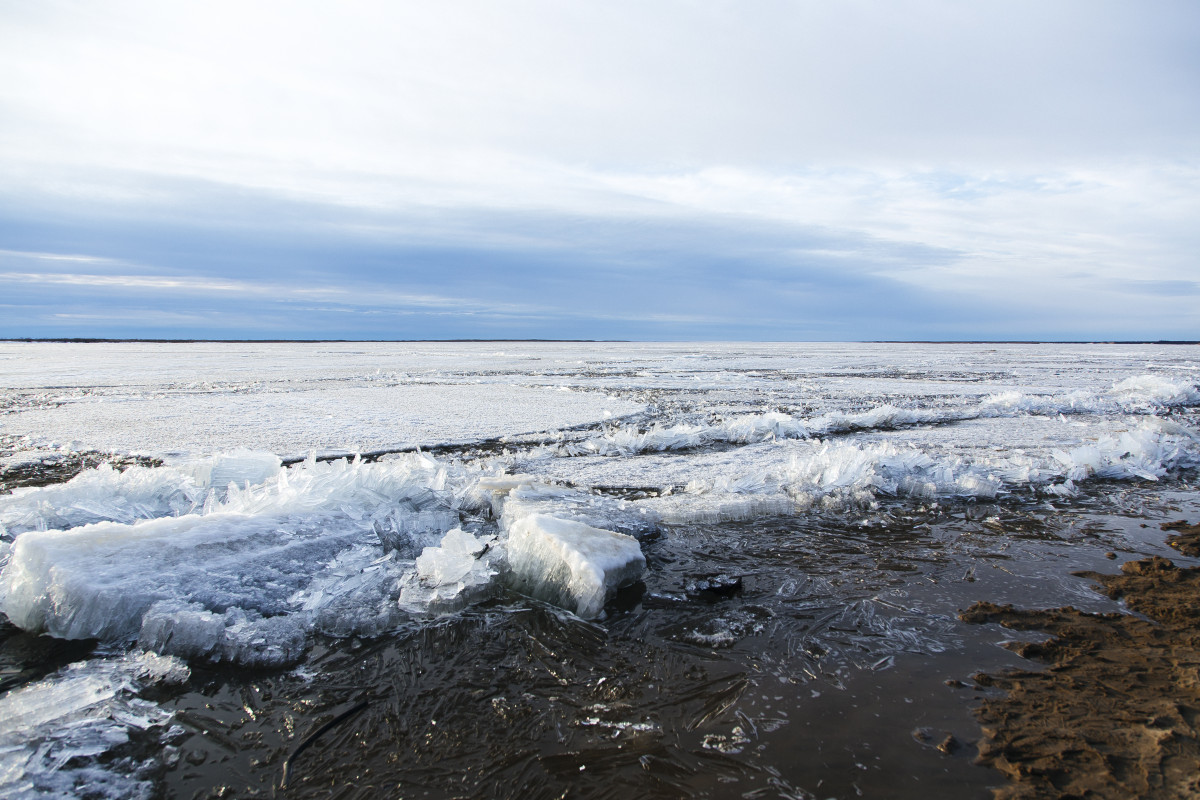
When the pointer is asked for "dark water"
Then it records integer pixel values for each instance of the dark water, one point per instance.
(792, 657)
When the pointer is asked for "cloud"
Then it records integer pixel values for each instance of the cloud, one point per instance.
(1164, 288)
(856, 170)
(445, 90)
(130, 282)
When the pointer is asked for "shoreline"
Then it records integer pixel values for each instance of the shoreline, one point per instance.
(1115, 713)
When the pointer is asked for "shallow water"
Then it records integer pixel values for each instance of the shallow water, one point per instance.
(824, 675)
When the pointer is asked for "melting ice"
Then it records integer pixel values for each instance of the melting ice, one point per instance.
(229, 556)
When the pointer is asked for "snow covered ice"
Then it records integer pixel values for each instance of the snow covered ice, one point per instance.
(554, 471)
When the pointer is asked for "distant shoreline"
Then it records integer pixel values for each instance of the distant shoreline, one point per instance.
(91, 340)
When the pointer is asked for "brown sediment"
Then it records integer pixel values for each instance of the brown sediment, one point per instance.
(1116, 712)
(1187, 540)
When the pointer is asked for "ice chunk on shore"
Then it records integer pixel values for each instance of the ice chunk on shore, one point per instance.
(570, 564)
(97, 581)
(266, 551)
(54, 734)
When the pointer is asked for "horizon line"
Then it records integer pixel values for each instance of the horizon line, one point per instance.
(137, 340)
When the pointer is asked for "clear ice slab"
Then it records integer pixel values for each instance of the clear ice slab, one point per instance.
(571, 564)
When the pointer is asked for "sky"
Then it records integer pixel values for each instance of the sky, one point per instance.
(644, 170)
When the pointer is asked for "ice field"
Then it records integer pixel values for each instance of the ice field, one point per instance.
(590, 566)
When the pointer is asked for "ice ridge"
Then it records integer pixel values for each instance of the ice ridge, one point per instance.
(244, 578)
(1144, 394)
(832, 472)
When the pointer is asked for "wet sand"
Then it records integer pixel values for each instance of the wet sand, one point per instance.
(1115, 712)
(1186, 539)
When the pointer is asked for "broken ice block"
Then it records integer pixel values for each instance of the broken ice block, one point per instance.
(190, 631)
(488, 494)
(97, 581)
(242, 467)
(60, 737)
(570, 564)
(581, 505)
(457, 573)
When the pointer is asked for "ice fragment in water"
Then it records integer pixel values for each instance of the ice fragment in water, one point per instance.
(190, 631)
(570, 564)
(460, 571)
(452, 561)
(55, 733)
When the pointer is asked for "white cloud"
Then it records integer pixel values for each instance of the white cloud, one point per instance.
(446, 90)
(1048, 144)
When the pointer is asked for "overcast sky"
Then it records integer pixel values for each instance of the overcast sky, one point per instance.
(633, 170)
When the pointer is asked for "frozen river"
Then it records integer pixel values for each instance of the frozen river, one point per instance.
(521, 569)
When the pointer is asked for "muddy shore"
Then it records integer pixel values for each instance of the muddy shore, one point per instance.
(1115, 712)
